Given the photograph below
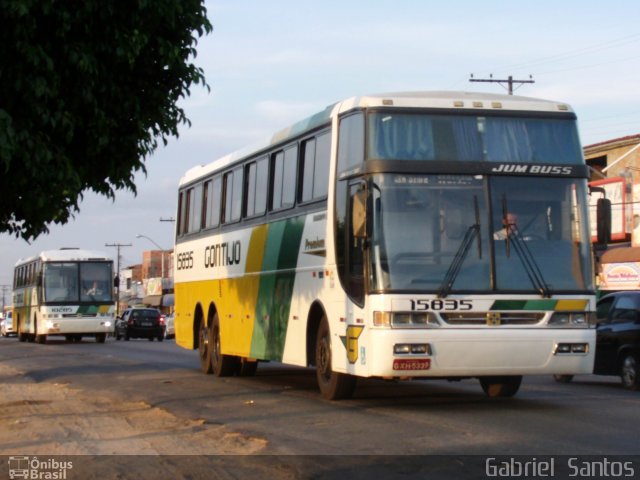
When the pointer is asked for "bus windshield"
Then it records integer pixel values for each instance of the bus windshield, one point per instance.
(435, 232)
(419, 136)
(74, 282)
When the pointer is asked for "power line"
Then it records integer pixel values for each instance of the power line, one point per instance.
(577, 52)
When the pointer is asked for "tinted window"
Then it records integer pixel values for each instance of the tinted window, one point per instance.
(315, 168)
(211, 213)
(195, 216)
(283, 179)
(232, 195)
(350, 142)
(308, 163)
(602, 310)
(626, 309)
(256, 187)
(321, 171)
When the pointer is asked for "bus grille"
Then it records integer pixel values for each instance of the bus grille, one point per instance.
(480, 318)
(79, 315)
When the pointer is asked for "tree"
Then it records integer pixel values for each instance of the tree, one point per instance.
(87, 91)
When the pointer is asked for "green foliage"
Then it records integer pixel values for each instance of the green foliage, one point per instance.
(87, 90)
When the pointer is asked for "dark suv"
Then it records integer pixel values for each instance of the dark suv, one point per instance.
(140, 323)
(617, 338)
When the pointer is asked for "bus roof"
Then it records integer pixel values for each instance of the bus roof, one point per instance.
(429, 99)
(66, 255)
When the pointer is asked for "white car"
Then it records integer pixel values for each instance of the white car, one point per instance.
(6, 326)
(169, 329)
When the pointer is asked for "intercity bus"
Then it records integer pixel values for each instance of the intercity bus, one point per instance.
(398, 236)
(65, 292)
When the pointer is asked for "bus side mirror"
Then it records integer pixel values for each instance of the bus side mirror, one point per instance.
(116, 281)
(603, 216)
(359, 214)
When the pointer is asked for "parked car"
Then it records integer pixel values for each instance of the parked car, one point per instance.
(617, 338)
(169, 327)
(140, 323)
(6, 328)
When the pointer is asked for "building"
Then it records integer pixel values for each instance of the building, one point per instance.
(615, 167)
(619, 157)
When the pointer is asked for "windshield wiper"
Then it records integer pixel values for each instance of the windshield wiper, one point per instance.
(531, 268)
(470, 235)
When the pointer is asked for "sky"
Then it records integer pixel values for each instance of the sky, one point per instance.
(271, 63)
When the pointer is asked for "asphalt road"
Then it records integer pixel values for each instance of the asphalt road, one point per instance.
(591, 416)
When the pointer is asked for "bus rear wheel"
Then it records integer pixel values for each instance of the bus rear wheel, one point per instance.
(223, 365)
(333, 385)
(506, 386)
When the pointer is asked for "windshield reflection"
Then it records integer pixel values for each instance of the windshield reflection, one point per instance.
(437, 233)
(73, 282)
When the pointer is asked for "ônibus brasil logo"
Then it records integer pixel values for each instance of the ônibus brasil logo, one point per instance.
(33, 468)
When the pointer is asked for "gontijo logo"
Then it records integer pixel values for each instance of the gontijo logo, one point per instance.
(33, 468)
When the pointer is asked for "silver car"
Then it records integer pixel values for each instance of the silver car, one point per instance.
(169, 330)
(6, 326)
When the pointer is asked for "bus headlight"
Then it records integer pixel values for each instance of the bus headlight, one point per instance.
(571, 319)
(405, 320)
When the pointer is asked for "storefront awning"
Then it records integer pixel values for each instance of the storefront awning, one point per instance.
(152, 300)
(621, 255)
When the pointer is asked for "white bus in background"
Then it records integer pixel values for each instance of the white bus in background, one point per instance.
(66, 292)
(397, 236)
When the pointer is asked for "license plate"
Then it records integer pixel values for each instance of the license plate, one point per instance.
(412, 364)
(146, 324)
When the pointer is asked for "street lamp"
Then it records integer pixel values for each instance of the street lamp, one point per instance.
(162, 250)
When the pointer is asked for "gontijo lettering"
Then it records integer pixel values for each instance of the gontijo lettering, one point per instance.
(223, 254)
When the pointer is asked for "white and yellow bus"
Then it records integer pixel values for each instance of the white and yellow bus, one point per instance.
(411, 235)
(65, 292)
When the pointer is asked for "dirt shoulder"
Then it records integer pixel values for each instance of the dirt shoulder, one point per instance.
(57, 419)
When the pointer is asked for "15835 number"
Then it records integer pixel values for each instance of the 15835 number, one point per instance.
(439, 304)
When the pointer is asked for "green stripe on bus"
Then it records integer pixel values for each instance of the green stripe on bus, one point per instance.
(276, 289)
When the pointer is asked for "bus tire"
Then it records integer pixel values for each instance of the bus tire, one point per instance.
(332, 385)
(506, 386)
(204, 348)
(41, 339)
(223, 365)
(101, 337)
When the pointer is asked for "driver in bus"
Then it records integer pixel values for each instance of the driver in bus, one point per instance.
(509, 225)
(94, 290)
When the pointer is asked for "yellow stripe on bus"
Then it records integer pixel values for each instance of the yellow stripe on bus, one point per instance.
(571, 305)
(239, 299)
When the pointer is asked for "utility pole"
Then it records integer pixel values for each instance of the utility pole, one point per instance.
(509, 81)
(4, 292)
(118, 246)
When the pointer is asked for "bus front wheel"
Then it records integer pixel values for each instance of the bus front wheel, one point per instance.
(501, 386)
(333, 385)
(204, 349)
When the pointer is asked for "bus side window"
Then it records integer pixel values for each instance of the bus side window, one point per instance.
(232, 195)
(195, 214)
(256, 181)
